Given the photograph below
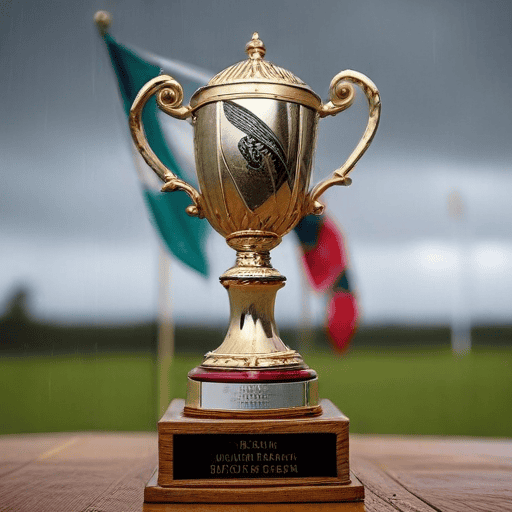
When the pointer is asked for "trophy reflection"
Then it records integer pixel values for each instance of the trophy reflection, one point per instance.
(255, 127)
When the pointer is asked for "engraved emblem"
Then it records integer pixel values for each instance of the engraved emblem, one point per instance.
(263, 153)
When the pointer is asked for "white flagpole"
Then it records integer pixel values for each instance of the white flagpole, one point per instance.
(165, 323)
(165, 348)
(461, 318)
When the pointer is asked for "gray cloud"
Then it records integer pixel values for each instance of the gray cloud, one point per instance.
(443, 69)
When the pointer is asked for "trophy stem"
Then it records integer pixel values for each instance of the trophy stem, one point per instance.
(252, 340)
(253, 372)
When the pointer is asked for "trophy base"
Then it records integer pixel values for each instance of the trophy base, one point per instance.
(251, 464)
(352, 499)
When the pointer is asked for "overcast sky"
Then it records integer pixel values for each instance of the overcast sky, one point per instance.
(72, 221)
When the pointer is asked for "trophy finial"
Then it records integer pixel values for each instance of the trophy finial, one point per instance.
(255, 47)
(103, 20)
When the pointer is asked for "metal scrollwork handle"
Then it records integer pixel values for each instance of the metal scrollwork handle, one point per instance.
(169, 98)
(342, 94)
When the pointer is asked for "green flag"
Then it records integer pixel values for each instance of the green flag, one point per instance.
(184, 236)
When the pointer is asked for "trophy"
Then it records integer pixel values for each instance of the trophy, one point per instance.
(252, 429)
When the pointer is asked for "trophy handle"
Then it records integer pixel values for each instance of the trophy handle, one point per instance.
(342, 94)
(169, 98)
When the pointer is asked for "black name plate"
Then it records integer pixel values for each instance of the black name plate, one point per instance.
(211, 456)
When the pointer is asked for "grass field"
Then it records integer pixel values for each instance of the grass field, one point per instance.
(386, 391)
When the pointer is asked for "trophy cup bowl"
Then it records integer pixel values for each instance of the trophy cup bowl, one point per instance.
(255, 127)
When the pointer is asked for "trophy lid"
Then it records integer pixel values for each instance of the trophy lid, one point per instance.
(255, 78)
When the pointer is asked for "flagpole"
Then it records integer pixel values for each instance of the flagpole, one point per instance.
(165, 340)
(165, 323)
(461, 319)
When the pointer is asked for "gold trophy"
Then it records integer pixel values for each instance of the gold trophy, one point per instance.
(252, 429)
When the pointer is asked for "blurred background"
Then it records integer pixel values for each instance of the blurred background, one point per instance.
(427, 220)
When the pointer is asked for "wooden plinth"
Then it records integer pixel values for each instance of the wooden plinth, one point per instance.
(208, 464)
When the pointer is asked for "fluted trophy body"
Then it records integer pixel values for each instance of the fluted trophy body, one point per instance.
(255, 127)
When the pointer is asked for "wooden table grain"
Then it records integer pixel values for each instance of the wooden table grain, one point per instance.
(106, 472)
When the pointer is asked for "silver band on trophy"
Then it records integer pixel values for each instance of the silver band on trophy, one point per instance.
(241, 397)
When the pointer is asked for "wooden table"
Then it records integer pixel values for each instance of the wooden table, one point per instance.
(106, 472)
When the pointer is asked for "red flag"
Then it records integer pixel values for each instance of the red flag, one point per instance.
(325, 263)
